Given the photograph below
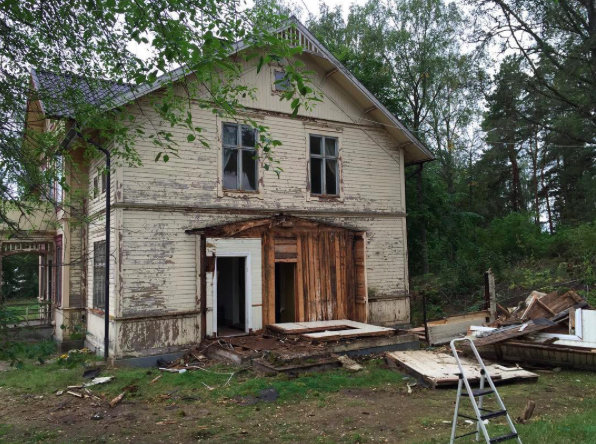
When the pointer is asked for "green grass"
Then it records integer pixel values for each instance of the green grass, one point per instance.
(245, 383)
(570, 429)
(48, 378)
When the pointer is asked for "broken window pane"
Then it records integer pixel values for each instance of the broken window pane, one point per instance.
(248, 136)
(249, 170)
(230, 134)
(230, 175)
(315, 144)
(331, 177)
(330, 147)
(281, 83)
(316, 178)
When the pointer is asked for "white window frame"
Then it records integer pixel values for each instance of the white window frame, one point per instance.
(240, 150)
(247, 290)
(324, 158)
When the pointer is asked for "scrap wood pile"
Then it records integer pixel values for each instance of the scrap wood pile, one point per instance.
(267, 353)
(545, 329)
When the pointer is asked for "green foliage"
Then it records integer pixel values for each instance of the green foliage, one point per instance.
(133, 45)
(17, 352)
(19, 276)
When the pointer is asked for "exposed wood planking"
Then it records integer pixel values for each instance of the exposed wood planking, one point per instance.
(440, 369)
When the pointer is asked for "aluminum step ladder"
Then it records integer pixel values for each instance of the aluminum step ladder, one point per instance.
(482, 414)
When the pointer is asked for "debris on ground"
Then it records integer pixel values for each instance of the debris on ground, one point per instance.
(547, 329)
(292, 348)
(528, 412)
(349, 364)
(114, 402)
(439, 369)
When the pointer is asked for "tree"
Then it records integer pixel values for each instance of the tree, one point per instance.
(557, 42)
(131, 44)
(506, 135)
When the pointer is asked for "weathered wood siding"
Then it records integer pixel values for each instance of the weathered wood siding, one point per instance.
(154, 263)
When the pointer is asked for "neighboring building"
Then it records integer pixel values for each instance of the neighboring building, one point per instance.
(212, 243)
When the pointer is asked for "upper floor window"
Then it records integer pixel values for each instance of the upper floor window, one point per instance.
(280, 83)
(324, 169)
(239, 157)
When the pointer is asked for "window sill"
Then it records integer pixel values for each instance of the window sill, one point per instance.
(242, 193)
(325, 196)
(96, 311)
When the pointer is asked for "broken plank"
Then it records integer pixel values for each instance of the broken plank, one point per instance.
(503, 334)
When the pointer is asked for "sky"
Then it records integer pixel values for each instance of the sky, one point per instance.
(312, 6)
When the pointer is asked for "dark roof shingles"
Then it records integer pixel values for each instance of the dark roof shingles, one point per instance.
(58, 92)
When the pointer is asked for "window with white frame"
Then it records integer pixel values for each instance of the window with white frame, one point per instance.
(99, 277)
(240, 164)
(324, 166)
(280, 82)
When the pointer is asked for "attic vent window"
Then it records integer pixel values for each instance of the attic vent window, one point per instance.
(281, 83)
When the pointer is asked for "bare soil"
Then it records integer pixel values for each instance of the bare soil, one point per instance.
(386, 413)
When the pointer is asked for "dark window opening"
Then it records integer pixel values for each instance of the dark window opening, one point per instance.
(99, 277)
(285, 289)
(281, 83)
(58, 291)
(239, 157)
(324, 166)
(95, 187)
(231, 296)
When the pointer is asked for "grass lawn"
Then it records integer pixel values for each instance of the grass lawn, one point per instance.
(221, 405)
(19, 310)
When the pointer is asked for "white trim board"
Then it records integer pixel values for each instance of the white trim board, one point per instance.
(247, 290)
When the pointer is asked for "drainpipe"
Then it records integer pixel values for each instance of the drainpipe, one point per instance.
(106, 339)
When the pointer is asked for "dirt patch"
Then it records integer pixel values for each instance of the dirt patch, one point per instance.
(383, 413)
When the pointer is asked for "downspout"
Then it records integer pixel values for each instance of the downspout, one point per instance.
(65, 143)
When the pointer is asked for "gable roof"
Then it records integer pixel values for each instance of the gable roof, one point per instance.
(119, 95)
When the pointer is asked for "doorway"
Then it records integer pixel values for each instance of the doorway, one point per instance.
(285, 292)
(231, 296)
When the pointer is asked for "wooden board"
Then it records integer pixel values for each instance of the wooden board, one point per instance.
(513, 331)
(444, 330)
(332, 330)
(545, 355)
(441, 370)
(551, 304)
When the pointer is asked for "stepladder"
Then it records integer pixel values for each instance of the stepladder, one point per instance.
(476, 396)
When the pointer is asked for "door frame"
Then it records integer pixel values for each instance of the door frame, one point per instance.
(247, 290)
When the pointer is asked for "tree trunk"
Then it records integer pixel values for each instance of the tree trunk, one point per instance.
(516, 192)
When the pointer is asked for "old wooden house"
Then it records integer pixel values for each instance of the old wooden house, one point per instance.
(211, 243)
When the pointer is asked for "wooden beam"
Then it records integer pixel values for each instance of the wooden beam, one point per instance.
(330, 73)
(370, 110)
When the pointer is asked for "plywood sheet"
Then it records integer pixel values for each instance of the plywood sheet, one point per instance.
(444, 330)
(332, 330)
(440, 369)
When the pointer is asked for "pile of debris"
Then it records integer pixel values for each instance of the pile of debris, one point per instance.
(296, 347)
(551, 329)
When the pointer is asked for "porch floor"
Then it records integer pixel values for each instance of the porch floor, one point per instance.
(300, 342)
